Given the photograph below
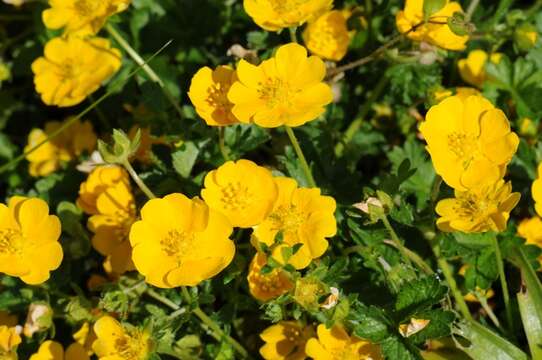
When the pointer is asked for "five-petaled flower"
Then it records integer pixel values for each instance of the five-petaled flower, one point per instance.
(285, 340)
(265, 287)
(116, 341)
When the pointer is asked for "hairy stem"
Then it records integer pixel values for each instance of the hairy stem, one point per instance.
(148, 192)
(504, 283)
(222, 145)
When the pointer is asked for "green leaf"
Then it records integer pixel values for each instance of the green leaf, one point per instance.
(532, 321)
(483, 342)
(185, 158)
(369, 322)
(440, 325)
(78, 243)
(398, 349)
(418, 295)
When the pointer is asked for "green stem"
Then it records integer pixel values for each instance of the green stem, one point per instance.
(415, 258)
(88, 109)
(222, 145)
(398, 243)
(212, 325)
(162, 299)
(483, 301)
(504, 283)
(293, 35)
(138, 180)
(139, 60)
(300, 156)
(472, 8)
(449, 276)
(355, 125)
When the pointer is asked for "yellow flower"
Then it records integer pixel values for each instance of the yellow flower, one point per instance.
(51, 350)
(436, 31)
(273, 15)
(328, 35)
(179, 242)
(81, 17)
(536, 190)
(209, 95)
(284, 90)
(29, 247)
(302, 216)
(98, 181)
(471, 297)
(7, 319)
(484, 208)
(336, 344)
(73, 68)
(116, 212)
(531, 230)
(463, 92)
(308, 292)
(116, 342)
(265, 287)
(473, 68)
(527, 127)
(9, 340)
(85, 337)
(285, 341)
(242, 191)
(75, 140)
(469, 140)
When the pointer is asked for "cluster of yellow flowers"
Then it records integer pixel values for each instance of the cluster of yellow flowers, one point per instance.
(75, 64)
(287, 89)
(293, 340)
(471, 144)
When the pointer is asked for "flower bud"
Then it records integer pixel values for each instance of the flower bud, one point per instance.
(121, 149)
(525, 37)
(39, 318)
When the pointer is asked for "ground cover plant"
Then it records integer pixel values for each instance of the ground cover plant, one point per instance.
(270, 179)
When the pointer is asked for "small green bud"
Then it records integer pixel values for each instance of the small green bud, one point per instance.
(122, 148)
(525, 37)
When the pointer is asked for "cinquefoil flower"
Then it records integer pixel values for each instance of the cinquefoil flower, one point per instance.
(469, 140)
(9, 340)
(52, 350)
(287, 89)
(98, 181)
(328, 35)
(436, 31)
(285, 340)
(73, 68)
(117, 342)
(29, 247)
(300, 216)
(81, 17)
(265, 287)
(209, 95)
(180, 242)
(531, 230)
(473, 68)
(335, 343)
(484, 208)
(242, 191)
(274, 15)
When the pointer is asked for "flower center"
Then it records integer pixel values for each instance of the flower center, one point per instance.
(129, 347)
(463, 146)
(11, 242)
(271, 283)
(86, 8)
(287, 219)
(177, 243)
(236, 196)
(218, 97)
(276, 92)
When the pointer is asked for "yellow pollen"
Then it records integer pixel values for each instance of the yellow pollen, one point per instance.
(462, 145)
(236, 196)
(129, 347)
(177, 243)
(87, 8)
(218, 97)
(10, 241)
(275, 92)
(287, 219)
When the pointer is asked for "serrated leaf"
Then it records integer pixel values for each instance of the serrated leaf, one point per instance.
(440, 325)
(369, 322)
(397, 349)
(418, 295)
